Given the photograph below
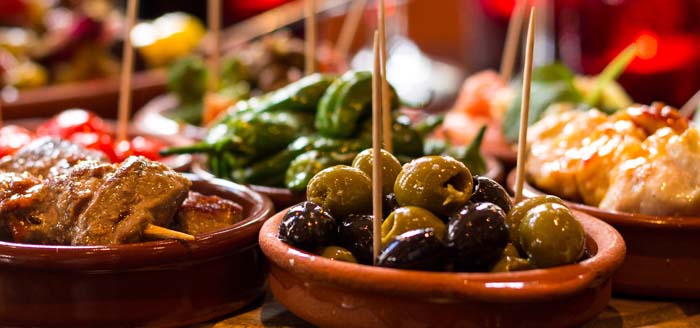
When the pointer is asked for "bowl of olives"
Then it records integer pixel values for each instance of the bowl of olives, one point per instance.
(662, 258)
(455, 251)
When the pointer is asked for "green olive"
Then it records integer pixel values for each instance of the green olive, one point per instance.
(440, 184)
(337, 253)
(408, 218)
(550, 235)
(511, 261)
(390, 168)
(517, 213)
(342, 190)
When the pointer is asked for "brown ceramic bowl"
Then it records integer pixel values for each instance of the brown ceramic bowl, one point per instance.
(329, 293)
(98, 95)
(180, 163)
(154, 119)
(152, 284)
(283, 198)
(663, 258)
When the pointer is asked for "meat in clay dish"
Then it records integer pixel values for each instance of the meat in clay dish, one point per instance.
(58, 193)
(639, 160)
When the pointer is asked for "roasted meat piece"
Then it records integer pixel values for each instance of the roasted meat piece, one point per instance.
(96, 203)
(54, 205)
(201, 214)
(48, 156)
(140, 192)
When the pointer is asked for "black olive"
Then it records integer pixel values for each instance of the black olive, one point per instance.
(415, 250)
(389, 204)
(308, 226)
(478, 235)
(488, 190)
(355, 234)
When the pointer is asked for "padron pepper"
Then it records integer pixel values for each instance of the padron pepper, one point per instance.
(306, 165)
(300, 96)
(345, 103)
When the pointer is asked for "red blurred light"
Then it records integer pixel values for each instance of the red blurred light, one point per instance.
(647, 45)
(500, 8)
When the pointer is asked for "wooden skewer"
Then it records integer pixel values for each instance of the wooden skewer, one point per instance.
(515, 26)
(1, 104)
(349, 28)
(385, 95)
(158, 232)
(376, 153)
(688, 108)
(525, 107)
(214, 20)
(127, 68)
(310, 31)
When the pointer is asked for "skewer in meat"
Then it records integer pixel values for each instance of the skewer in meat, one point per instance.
(96, 203)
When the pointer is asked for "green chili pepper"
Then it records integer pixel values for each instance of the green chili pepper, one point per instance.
(302, 95)
(306, 165)
(471, 155)
(406, 139)
(277, 164)
(345, 103)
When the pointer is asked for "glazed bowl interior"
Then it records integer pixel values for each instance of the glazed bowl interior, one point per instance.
(155, 118)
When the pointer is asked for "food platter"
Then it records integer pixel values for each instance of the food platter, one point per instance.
(336, 294)
(660, 261)
(159, 283)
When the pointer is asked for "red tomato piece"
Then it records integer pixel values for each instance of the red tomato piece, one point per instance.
(71, 121)
(12, 138)
(97, 141)
(147, 147)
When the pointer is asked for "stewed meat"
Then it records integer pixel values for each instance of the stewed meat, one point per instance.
(201, 214)
(97, 203)
(55, 204)
(48, 156)
(138, 193)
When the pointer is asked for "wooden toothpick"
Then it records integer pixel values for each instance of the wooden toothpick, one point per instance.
(376, 153)
(525, 107)
(214, 20)
(515, 26)
(349, 28)
(691, 105)
(310, 41)
(127, 68)
(385, 95)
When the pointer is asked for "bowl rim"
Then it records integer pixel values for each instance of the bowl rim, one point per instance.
(509, 287)
(153, 111)
(150, 253)
(617, 218)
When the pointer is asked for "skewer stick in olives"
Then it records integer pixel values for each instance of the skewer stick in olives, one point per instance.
(390, 168)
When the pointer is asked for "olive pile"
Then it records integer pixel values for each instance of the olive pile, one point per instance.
(438, 217)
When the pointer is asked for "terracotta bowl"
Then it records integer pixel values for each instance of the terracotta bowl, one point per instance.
(663, 258)
(329, 293)
(180, 163)
(283, 198)
(154, 119)
(152, 284)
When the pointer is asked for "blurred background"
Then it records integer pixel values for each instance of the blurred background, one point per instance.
(431, 42)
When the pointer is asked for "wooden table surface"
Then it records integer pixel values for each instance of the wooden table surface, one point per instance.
(621, 312)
